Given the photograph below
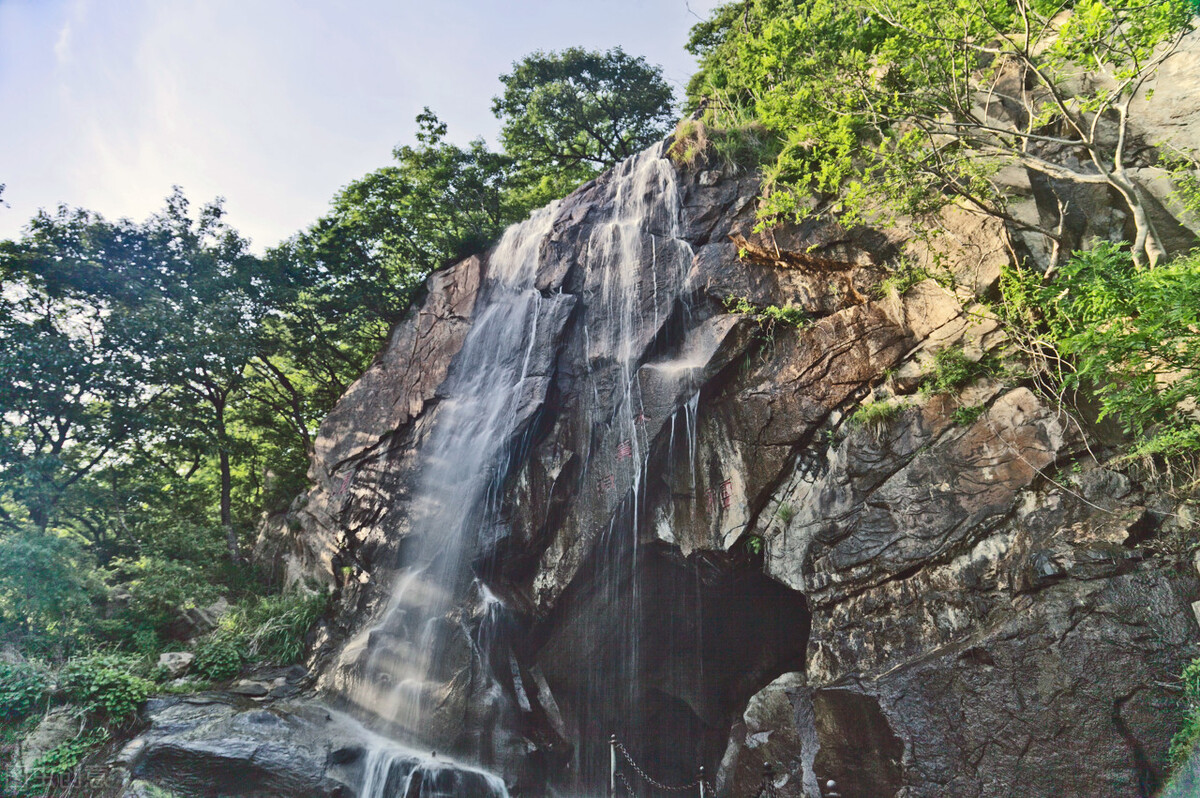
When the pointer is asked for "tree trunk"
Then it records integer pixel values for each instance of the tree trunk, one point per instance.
(1147, 233)
(235, 553)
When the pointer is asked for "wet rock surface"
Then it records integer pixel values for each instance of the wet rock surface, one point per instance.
(221, 744)
(214, 744)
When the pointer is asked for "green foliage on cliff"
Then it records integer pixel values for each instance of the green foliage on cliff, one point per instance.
(876, 416)
(742, 146)
(1183, 744)
(953, 369)
(899, 106)
(106, 685)
(768, 317)
(22, 690)
(271, 629)
(1130, 335)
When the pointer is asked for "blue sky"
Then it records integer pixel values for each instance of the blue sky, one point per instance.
(272, 104)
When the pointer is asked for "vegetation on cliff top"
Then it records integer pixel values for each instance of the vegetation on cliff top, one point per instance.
(895, 108)
(904, 105)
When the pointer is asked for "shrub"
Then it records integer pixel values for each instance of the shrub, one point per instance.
(769, 316)
(183, 541)
(689, 143)
(952, 369)
(967, 415)
(22, 687)
(1128, 335)
(742, 145)
(105, 684)
(45, 612)
(1188, 736)
(158, 590)
(219, 656)
(278, 625)
(55, 765)
(875, 416)
(272, 629)
(747, 145)
(1169, 442)
(904, 274)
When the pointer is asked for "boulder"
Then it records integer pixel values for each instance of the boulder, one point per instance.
(1167, 109)
(220, 744)
(250, 689)
(60, 725)
(195, 621)
(175, 663)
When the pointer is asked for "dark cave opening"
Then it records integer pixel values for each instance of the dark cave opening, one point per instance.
(664, 651)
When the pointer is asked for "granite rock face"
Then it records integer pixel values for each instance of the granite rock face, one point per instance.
(723, 568)
(212, 744)
(222, 744)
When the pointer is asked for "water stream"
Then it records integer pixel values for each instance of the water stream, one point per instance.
(635, 266)
(460, 480)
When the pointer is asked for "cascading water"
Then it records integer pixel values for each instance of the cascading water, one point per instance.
(460, 482)
(637, 261)
(393, 771)
(634, 269)
(464, 459)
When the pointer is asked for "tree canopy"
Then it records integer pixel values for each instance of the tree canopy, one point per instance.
(573, 113)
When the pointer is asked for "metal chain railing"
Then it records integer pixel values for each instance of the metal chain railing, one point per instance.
(767, 789)
(705, 789)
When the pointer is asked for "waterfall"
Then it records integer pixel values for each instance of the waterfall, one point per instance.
(633, 265)
(460, 481)
(392, 771)
(636, 263)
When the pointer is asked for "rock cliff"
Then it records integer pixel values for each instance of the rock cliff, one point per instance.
(690, 535)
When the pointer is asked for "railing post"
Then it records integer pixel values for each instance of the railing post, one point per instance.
(768, 781)
(702, 786)
(612, 766)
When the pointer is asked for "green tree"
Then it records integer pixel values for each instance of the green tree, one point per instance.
(1132, 335)
(568, 115)
(125, 341)
(206, 310)
(362, 264)
(912, 103)
(71, 394)
(46, 586)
